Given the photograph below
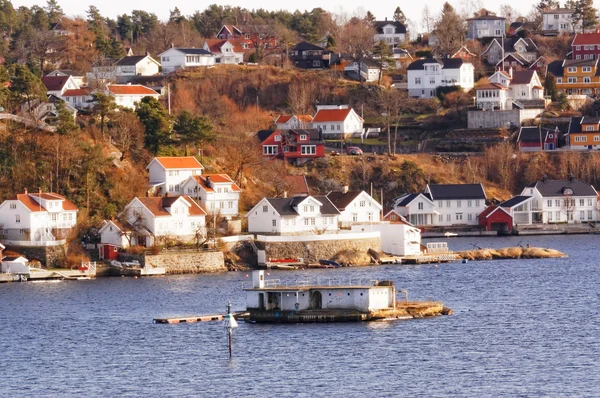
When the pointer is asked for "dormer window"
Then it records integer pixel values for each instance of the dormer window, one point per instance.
(302, 137)
(277, 138)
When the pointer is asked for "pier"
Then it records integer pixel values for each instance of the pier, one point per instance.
(190, 319)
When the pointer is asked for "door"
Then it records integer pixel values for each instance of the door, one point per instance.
(316, 301)
(261, 301)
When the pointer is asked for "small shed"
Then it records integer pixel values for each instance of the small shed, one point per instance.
(495, 218)
(15, 265)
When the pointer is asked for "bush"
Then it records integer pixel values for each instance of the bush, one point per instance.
(135, 250)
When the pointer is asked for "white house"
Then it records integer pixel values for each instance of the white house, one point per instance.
(292, 122)
(443, 205)
(337, 120)
(176, 58)
(37, 217)
(398, 238)
(356, 207)
(79, 98)
(77, 77)
(114, 237)
(127, 95)
(229, 51)
(123, 70)
(166, 174)
(390, 32)
(57, 85)
(488, 25)
(298, 215)
(507, 88)
(559, 20)
(178, 218)
(555, 201)
(364, 70)
(215, 192)
(424, 76)
(15, 265)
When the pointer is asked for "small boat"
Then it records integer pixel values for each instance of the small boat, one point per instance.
(450, 234)
(282, 266)
(320, 266)
(333, 264)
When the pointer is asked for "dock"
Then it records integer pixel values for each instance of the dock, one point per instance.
(431, 258)
(190, 319)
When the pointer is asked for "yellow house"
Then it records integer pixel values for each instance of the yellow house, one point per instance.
(584, 133)
(576, 76)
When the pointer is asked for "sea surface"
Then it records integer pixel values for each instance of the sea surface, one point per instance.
(520, 328)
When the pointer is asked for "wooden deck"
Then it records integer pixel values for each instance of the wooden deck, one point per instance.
(190, 319)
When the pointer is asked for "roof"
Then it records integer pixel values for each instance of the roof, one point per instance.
(158, 206)
(178, 162)
(551, 188)
(130, 89)
(447, 63)
(304, 46)
(331, 115)
(77, 92)
(285, 206)
(370, 62)
(556, 68)
(522, 76)
(407, 199)
(217, 179)
(54, 83)
(131, 60)
(286, 118)
(262, 135)
(485, 84)
(515, 201)
(581, 39)
(559, 11)
(192, 51)
(486, 18)
(28, 201)
(531, 134)
(576, 123)
(400, 28)
(342, 199)
(34, 206)
(214, 45)
(67, 72)
(456, 191)
(13, 258)
(298, 186)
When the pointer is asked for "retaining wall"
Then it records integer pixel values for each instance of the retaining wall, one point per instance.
(48, 256)
(187, 262)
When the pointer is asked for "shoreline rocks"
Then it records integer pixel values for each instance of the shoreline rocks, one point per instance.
(510, 253)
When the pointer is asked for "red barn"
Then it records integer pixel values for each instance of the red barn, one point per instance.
(495, 218)
(585, 46)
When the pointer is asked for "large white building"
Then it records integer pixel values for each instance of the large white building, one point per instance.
(123, 70)
(390, 32)
(215, 192)
(507, 88)
(443, 205)
(127, 95)
(167, 174)
(176, 58)
(559, 20)
(424, 76)
(333, 120)
(36, 217)
(289, 216)
(554, 201)
(356, 207)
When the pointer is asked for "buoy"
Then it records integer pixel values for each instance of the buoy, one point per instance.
(247, 276)
(135, 277)
(465, 261)
(435, 266)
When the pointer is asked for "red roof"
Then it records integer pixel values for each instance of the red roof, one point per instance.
(55, 83)
(283, 118)
(31, 204)
(131, 89)
(218, 179)
(158, 205)
(297, 185)
(331, 115)
(80, 92)
(582, 39)
(214, 45)
(179, 162)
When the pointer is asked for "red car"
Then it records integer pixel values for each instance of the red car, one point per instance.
(354, 150)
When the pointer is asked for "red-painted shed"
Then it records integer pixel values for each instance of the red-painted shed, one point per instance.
(495, 218)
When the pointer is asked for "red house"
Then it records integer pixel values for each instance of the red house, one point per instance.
(254, 36)
(495, 218)
(296, 146)
(585, 46)
(536, 138)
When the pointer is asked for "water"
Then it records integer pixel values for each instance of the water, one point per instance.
(520, 328)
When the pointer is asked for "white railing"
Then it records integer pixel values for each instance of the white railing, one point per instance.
(318, 282)
(327, 236)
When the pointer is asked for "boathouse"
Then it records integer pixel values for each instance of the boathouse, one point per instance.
(272, 295)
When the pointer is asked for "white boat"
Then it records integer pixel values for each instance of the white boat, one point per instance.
(450, 234)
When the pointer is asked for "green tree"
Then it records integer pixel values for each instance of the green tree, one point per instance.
(54, 11)
(399, 16)
(563, 101)
(26, 87)
(103, 106)
(157, 123)
(384, 54)
(65, 123)
(550, 87)
(450, 30)
(192, 129)
(370, 18)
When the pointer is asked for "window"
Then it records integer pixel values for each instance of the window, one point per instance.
(559, 80)
(420, 205)
(17, 218)
(306, 221)
(459, 216)
(582, 202)
(476, 203)
(582, 215)
(447, 203)
(363, 203)
(589, 202)
(596, 138)
(571, 69)
(469, 203)
(572, 80)
(277, 138)
(312, 209)
(557, 203)
(302, 137)
(448, 217)
(458, 203)
(440, 204)
(587, 69)
(230, 204)
(269, 149)
(549, 202)
(274, 222)
(316, 63)
(13, 206)
(53, 217)
(312, 221)
(470, 217)
(354, 217)
(309, 149)
(589, 214)
(549, 216)
(265, 209)
(432, 80)
(417, 80)
(441, 218)
(587, 79)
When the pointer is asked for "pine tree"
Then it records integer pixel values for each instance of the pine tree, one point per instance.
(399, 16)
(192, 129)
(65, 123)
(370, 18)
(550, 87)
(450, 30)
(157, 123)
(103, 106)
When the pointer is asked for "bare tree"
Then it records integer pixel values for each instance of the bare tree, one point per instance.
(302, 95)
(392, 102)
(356, 37)
(241, 152)
(507, 11)
(426, 19)
(568, 207)
(127, 134)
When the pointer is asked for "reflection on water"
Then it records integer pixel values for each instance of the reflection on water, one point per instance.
(520, 328)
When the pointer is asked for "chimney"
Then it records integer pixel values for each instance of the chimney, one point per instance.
(386, 18)
(510, 70)
(545, 178)
(208, 180)
(345, 189)
(25, 191)
(285, 194)
(571, 177)
(166, 194)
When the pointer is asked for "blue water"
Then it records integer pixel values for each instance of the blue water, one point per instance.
(520, 328)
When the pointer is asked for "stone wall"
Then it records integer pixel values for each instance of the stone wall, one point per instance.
(312, 251)
(49, 257)
(187, 262)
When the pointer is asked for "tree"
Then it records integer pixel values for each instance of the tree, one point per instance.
(26, 87)
(426, 19)
(508, 12)
(390, 103)
(103, 106)
(450, 30)
(65, 123)
(192, 129)
(127, 134)
(399, 16)
(54, 11)
(156, 121)
(550, 87)
(370, 19)
(563, 101)
(384, 54)
(586, 10)
(302, 94)
(356, 37)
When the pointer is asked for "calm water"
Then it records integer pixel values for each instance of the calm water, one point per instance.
(521, 328)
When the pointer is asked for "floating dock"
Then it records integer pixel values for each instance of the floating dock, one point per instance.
(190, 319)
(431, 258)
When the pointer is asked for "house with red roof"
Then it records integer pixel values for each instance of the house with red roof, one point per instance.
(167, 173)
(296, 185)
(57, 85)
(496, 218)
(337, 120)
(154, 220)
(586, 46)
(297, 146)
(506, 90)
(289, 122)
(79, 98)
(217, 193)
(254, 36)
(227, 51)
(37, 217)
(127, 95)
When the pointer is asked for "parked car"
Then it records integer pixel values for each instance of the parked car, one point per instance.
(335, 153)
(354, 150)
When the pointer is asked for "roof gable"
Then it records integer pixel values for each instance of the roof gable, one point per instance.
(455, 191)
(177, 162)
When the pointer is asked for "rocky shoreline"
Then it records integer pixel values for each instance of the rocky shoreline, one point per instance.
(510, 253)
